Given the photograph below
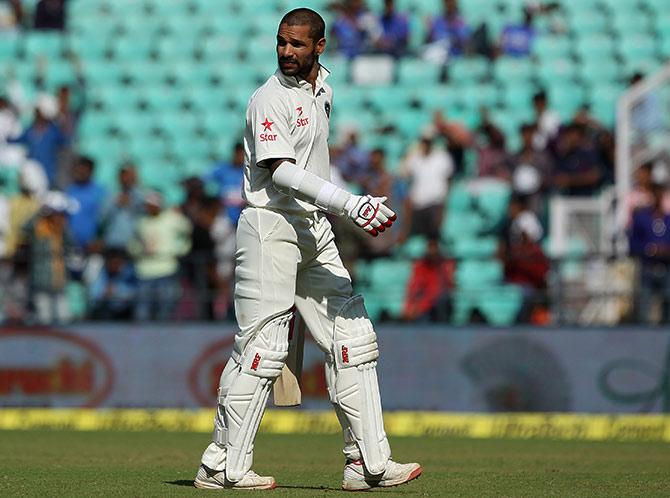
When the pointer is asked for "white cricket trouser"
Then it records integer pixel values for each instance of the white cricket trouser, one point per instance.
(284, 260)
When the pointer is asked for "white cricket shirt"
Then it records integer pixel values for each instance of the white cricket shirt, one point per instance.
(286, 119)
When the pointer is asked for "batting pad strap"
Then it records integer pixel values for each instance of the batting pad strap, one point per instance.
(305, 185)
(220, 435)
(356, 351)
(265, 363)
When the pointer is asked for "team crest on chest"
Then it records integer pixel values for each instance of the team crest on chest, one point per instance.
(326, 107)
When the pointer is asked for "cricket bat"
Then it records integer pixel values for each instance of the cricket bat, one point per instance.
(286, 391)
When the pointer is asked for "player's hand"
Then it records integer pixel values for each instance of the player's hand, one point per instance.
(370, 213)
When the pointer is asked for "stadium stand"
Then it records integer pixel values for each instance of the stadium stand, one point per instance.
(167, 82)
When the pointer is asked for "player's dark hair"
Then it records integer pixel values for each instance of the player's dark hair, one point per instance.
(306, 17)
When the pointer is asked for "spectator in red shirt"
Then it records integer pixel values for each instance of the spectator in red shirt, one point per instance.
(428, 289)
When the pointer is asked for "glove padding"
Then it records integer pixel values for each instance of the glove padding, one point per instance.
(370, 213)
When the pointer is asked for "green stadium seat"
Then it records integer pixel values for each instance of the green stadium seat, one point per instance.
(664, 47)
(638, 46)
(418, 72)
(597, 70)
(588, 21)
(413, 248)
(492, 201)
(603, 102)
(166, 9)
(384, 99)
(93, 48)
(459, 198)
(518, 97)
(409, 123)
(467, 70)
(557, 70)
(566, 99)
(170, 50)
(131, 48)
(500, 305)
(628, 23)
(476, 96)
(9, 48)
(657, 7)
(462, 224)
(115, 99)
(474, 248)
(552, 47)
(99, 72)
(440, 96)
(45, 44)
(477, 275)
(595, 46)
(644, 65)
(214, 49)
(510, 70)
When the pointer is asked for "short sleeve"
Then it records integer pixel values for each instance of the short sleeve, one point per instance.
(269, 123)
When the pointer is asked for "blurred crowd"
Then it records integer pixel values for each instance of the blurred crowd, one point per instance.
(135, 257)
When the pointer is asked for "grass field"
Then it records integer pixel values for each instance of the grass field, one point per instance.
(64, 464)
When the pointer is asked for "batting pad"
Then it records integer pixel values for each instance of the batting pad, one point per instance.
(356, 386)
(247, 394)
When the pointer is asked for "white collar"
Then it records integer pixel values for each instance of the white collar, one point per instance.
(296, 82)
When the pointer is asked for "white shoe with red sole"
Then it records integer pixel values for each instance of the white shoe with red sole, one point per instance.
(357, 478)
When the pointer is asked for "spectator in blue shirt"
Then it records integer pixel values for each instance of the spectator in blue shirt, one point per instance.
(228, 179)
(450, 27)
(91, 196)
(649, 240)
(44, 139)
(113, 292)
(355, 29)
(123, 210)
(579, 171)
(516, 39)
(395, 31)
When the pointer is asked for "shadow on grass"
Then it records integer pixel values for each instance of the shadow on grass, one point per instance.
(180, 482)
(189, 483)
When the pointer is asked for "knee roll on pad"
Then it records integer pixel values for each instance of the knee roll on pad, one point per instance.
(244, 402)
(356, 387)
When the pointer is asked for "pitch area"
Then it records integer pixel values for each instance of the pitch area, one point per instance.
(64, 463)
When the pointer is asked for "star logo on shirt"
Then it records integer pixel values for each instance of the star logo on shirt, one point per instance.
(267, 125)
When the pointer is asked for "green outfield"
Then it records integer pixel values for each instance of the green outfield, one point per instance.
(64, 464)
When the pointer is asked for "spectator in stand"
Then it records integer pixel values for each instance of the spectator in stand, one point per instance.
(395, 31)
(91, 196)
(10, 126)
(641, 195)
(49, 247)
(353, 160)
(50, 14)
(492, 157)
(200, 268)
(228, 179)
(11, 17)
(379, 182)
(162, 237)
(123, 210)
(428, 169)
(524, 260)
(547, 122)
(355, 29)
(517, 39)
(649, 239)
(430, 285)
(113, 292)
(194, 193)
(450, 27)
(578, 170)
(44, 138)
(531, 170)
(24, 205)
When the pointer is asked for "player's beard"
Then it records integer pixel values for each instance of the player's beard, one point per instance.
(301, 68)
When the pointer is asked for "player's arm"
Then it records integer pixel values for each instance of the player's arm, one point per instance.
(366, 211)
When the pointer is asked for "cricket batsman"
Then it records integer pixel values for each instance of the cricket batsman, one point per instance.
(286, 257)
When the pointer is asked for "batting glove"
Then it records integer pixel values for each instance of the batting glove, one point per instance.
(370, 213)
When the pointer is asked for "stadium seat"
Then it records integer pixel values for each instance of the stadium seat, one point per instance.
(588, 21)
(45, 44)
(640, 46)
(476, 96)
(418, 72)
(509, 70)
(467, 70)
(476, 274)
(595, 46)
(462, 224)
(557, 70)
(566, 99)
(170, 49)
(500, 305)
(552, 47)
(599, 69)
(131, 48)
(474, 248)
